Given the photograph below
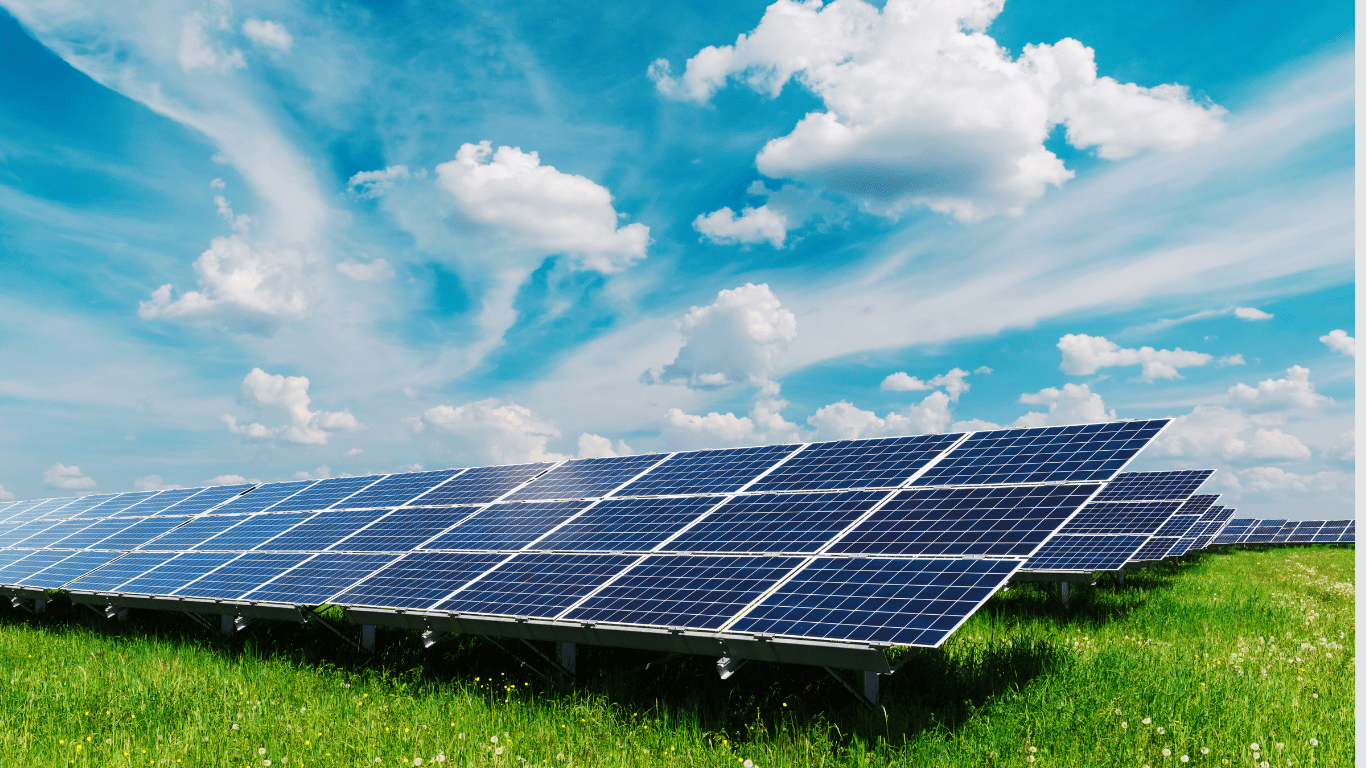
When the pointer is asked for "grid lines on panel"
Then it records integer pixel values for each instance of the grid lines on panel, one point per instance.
(1350, 535)
(1177, 525)
(509, 525)
(254, 532)
(196, 531)
(1142, 517)
(586, 478)
(152, 505)
(29, 511)
(994, 522)
(83, 505)
(395, 490)
(319, 578)
(13, 555)
(1234, 531)
(120, 505)
(1198, 504)
(205, 500)
(621, 525)
(322, 494)
(15, 514)
(70, 568)
(419, 580)
(536, 585)
(1306, 531)
(241, 575)
(96, 531)
(1155, 549)
(905, 602)
(720, 471)
(1043, 455)
(1264, 531)
(175, 573)
(1176, 485)
(263, 497)
(52, 507)
(18, 571)
(124, 569)
(22, 531)
(138, 533)
(875, 463)
(481, 485)
(324, 529)
(777, 522)
(1085, 553)
(56, 532)
(403, 529)
(689, 591)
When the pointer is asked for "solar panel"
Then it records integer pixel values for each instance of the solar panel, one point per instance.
(398, 489)
(1214, 521)
(1181, 547)
(995, 522)
(240, 576)
(196, 531)
(1155, 549)
(509, 525)
(55, 532)
(624, 525)
(419, 580)
(124, 569)
(884, 462)
(138, 534)
(19, 571)
(263, 496)
(1085, 553)
(1331, 531)
(325, 529)
(1198, 504)
(1282, 535)
(403, 529)
(175, 573)
(50, 507)
(84, 504)
(1043, 455)
(154, 504)
(720, 471)
(776, 522)
(11, 555)
(319, 578)
(117, 506)
(481, 485)
(536, 585)
(1142, 517)
(1175, 485)
(1350, 535)
(916, 602)
(25, 512)
(253, 532)
(1177, 525)
(73, 567)
(1234, 531)
(18, 533)
(205, 500)
(322, 495)
(1264, 531)
(586, 478)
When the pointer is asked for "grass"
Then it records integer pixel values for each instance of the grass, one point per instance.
(1217, 653)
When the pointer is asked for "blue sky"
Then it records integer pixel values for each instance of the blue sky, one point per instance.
(268, 240)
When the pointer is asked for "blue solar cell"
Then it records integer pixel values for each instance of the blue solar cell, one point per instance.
(419, 580)
(403, 529)
(901, 602)
(1306, 531)
(73, 567)
(885, 462)
(319, 578)
(205, 500)
(253, 532)
(395, 490)
(1198, 504)
(154, 504)
(323, 494)
(1350, 535)
(124, 569)
(119, 505)
(509, 525)
(55, 532)
(1156, 549)
(11, 555)
(776, 522)
(19, 571)
(196, 531)
(80, 507)
(586, 478)
(622, 525)
(236, 578)
(51, 509)
(1175, 485)
(1142, 517)
(25, 511)
(1177, 525)
(1180, 547)
(262, 497)
(139, 533)
(537, 586)
(1331, 531)
(1043, 455)
(175, 573)
(1235, 530)
(481, 485)
(1085, 553)
(1280, 537)
(689, 591)
(1264, 531)
(720, 471)
(18, 533)
(325, 529)
(999, 522)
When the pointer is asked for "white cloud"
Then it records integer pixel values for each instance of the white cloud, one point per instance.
(764, 425)
(287, 398)
(501, 433)
(597, 447)
(1083, 355)
(754, 225)
(739, 337)
(1212, 431)
(270, 34)
(153, 483)
(1340, 342)
(1294, 391)
(536, 206)
(368, 185)
(1073, 404)
(1343, 449)
(374, 272)
(196, 51)
(983, 369)
(226, 480)
(843, 421)
(923, 108)
(953, 382)
(1281, 483)
(321, 473)
(67, 478)
(353, 453)
(5, 495)
(1251, 313)
(1231, 360)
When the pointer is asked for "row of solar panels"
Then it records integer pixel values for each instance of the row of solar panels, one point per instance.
(1249, 531)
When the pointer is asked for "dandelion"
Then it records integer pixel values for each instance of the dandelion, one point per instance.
(461, 736)
(1123, 725)
(261, 751)
(1313, 742)
(498, 751)
(234, 726)
(1280, 745)
(1161, 731)
(267, 762)
(1204, 750)
(1166, 752)
(493, 739)
(1256, 748)
(417, 761)
(1117, 712)
(1033, 749)
(303, 709)
(749, 764)
(1316, 695)
(1147, 721)
(1185, 758)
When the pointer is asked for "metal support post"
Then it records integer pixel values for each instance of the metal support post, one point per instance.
(870, 681)
(39, 604)
(430, 637)
(569, 657)
(726, 666)
(241, 622)
(1062, 593)
(1121, 577)
(225, 624)
(367, 636)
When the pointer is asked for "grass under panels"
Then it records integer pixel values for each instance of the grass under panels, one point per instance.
(1220, 654)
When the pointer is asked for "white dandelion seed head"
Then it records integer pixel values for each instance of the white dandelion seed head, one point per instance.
(1313, 742)
(498, 751)
(1166, 752)
(234, 726)
(1280, 745)
(1204, 750)
(417, 761)
(261, 751)
(1123, 725)
(493, 739)
(1255, 748)
(1033, 749)
(1147, 721)
(1161, 731)
(749, 764)
(461, 736)
(1185, 758)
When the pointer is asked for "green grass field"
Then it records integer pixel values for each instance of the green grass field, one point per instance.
(1242, 658)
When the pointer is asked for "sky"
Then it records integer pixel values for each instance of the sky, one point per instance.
(273, 240)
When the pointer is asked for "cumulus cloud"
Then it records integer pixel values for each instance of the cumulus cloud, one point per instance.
(953, 382)
(1340, 342)
(922, 107)
(1212, 431)
(196, 51)
(67, 478)
(1294, 391)
(737, 338)
(764, 424)
(843, 421)
(1278, 482)
(321, 473)
(153, 483)
(226, 480)
(753, 225)
(1073, 404)
(1231, 360)
(373, 272)
(5, 495)
(1083, 355)
(598, 447)
(368, 185)
(286, 399)
(1251, 313)
(536, 206)
(498, 432)
(269, 34)
(1344, 449)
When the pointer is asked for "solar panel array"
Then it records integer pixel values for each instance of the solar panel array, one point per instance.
(1250, 531)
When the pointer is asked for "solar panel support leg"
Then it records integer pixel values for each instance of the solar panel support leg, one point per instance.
(367, 636)
(39, 604)
(116, 612)
(430, 637)
(1062, 593)
(569, 656)
(861, 698)
(870, 681)
(1121, 577)
(241, 622)
(225, 624)
(726, 666)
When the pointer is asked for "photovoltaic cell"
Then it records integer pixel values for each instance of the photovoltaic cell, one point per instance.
(1264, 531)
(119, 505)
(1306, 531)
(319, 578)
(914, 602)
(262, 497)
(1350, 535)
(403, 529)
(586, 478)
(622, 525)
(139, 533)
(154, 504)
(419, 580)
(720, 471)
(878, 463)
(1175, 485)
(19, 571)
(26, 512)
(240, 576)
(999, 522)
(1177, 525)
(1181, 547)
(325, 529)
(55, 532)
(1198, 504)
(1085, 553)
(323, 494)
(1043, 455)
(205, 500)
(1280, 537)
(509, 525)
(1155, 549)
(254, 532)
(481, 484)
(196, 531)
(537, 586)
(73, 567)
(689, 591)
(51, 507)
(81, 506)
(776, 522)
(397, 489)
(124, 569)
(1234, 531)
(175, 573)
(11, 555)
(18, 533)
(1142, 517)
